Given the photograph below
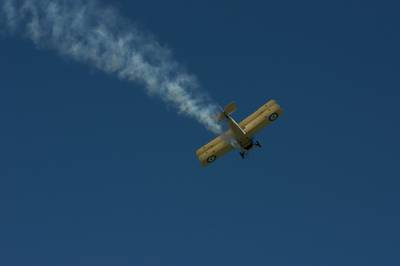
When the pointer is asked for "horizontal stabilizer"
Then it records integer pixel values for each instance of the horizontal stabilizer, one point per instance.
(229, 109)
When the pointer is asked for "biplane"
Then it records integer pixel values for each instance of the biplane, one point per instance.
(239, 136)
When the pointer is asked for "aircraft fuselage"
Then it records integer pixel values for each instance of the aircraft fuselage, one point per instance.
(240, 136)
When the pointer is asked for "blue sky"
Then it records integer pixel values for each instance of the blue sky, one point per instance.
(95, 172)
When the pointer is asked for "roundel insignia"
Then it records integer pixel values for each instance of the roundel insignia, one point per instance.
(211, 158)
(273, 117)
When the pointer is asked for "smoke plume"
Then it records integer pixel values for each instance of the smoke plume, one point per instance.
(96, 35)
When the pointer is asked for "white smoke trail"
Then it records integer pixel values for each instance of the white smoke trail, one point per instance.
(90, 33)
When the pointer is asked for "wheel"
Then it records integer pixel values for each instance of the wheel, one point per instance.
(273, 117)
(211, 159)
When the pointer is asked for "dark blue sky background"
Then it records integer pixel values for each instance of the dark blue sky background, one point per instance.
(94, 172)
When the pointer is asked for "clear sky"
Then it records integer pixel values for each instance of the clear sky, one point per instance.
(94, 172)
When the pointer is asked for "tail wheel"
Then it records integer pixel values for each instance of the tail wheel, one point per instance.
(211, 159)
(273, 117)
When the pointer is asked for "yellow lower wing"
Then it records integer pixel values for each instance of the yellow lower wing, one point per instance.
(214, 149)
(264, 116)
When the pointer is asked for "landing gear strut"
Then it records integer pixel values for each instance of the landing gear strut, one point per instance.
(258, 144)
(242, 154)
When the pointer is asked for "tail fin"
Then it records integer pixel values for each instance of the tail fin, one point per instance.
(229, 109)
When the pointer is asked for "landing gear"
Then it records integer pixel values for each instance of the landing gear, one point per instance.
(242, 154)
(258, 144)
